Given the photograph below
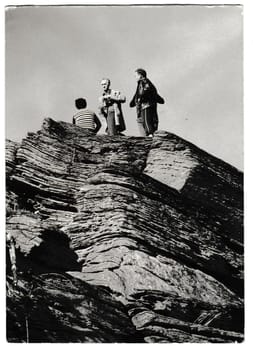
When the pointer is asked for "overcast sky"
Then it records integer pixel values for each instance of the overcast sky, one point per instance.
(193, 54)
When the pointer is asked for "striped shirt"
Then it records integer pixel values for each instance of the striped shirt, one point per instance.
(85, 118)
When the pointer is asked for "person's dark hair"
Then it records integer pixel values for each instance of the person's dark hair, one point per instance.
(80, 103)
(142, 72)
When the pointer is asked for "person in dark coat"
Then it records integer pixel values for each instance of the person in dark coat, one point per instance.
(110, 108)
(145, 100)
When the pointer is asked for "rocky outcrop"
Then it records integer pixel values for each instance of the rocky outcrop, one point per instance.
(148, 231)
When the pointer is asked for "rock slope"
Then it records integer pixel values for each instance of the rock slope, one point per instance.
(123, 239)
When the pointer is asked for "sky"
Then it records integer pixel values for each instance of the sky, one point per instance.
(193, 54)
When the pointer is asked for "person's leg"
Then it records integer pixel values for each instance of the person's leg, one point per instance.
(141, 128)
(141, 123)
(148, 118)
(112, 130)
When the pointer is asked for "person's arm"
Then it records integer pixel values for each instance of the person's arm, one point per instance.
(101, 101)
(159, 99)
(122, 99)
(117, 97)
(73, 121)
(101, 112)
(101, 109)
(97, 122)
(132, 102)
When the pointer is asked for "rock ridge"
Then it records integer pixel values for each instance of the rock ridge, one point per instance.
(153, 227)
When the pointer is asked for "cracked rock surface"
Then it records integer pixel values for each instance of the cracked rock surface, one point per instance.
(122, 239)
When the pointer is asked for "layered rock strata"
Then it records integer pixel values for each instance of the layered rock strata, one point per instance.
(153, 226)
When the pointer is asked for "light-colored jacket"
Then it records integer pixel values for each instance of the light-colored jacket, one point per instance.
(110, 102)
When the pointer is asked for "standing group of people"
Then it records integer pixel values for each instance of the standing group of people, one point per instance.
(145, 100)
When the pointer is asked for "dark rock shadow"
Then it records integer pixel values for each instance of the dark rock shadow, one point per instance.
(52, 255)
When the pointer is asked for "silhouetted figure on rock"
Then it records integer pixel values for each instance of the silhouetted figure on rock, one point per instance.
(145, 100)
(110, 108)
(85, 118)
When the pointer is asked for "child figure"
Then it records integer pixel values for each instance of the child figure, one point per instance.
(86, 118)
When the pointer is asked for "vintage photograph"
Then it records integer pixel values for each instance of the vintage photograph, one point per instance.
(124, 173)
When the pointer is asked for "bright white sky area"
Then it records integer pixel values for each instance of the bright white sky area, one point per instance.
(193, 54)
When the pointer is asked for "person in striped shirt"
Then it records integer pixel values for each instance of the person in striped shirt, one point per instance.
(85, 118)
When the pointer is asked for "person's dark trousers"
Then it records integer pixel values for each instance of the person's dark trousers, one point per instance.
(146, 121)
(111, 126)
(141, 128)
